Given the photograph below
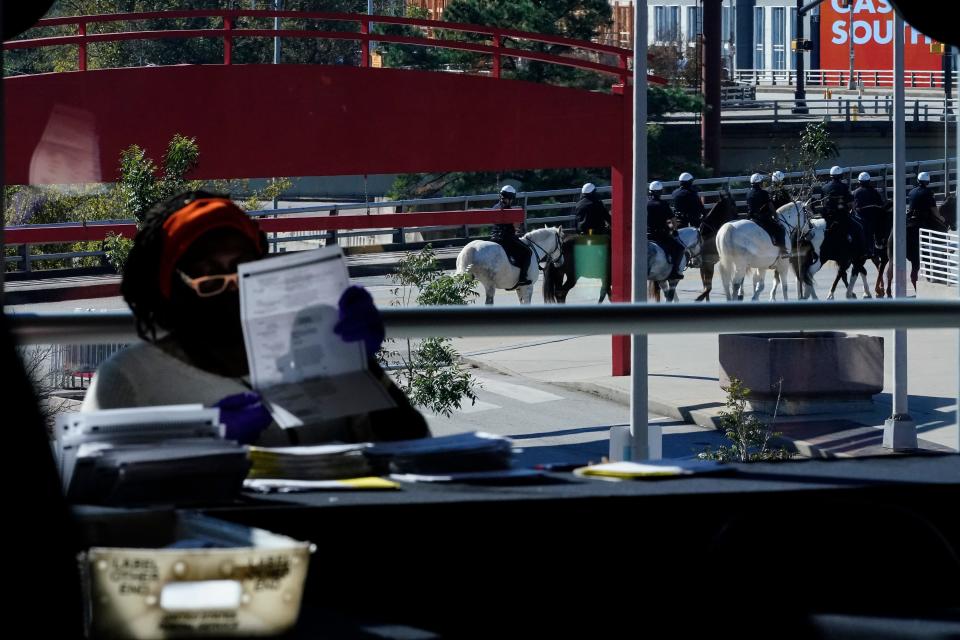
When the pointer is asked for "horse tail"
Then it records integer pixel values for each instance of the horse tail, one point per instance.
(466, 260)
(552, 277)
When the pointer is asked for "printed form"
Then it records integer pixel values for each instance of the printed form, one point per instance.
(306, 372)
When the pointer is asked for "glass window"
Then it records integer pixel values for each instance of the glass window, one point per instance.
(667, 24)
(758, 36)
(778, 32)
(694, 22)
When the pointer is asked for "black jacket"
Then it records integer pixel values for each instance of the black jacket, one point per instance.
(838, 197)
(592, 215)
(758, 203)
(779, 197)
(687, 204)
(867, 200)
(658, 215)
(504, 231)
(921, 200)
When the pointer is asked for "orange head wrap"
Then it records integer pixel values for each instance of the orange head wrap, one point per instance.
(185, 226)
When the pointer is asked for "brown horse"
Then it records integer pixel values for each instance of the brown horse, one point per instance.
(724, 210)
(928, 220)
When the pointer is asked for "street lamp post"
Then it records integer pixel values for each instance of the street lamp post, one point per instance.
(850, 83)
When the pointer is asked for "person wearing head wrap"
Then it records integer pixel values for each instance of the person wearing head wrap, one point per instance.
(181, 284)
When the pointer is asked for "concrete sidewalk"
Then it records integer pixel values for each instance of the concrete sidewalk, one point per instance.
(684, 385)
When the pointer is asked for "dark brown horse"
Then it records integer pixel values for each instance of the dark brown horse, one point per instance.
(851, 255)
(724, 210)
(928, 220)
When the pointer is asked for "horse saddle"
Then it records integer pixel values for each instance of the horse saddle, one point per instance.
(518, 253)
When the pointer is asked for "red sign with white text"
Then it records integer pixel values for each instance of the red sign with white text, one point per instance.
(872, 38)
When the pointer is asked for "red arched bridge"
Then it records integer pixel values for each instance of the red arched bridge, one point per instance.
(261, 120)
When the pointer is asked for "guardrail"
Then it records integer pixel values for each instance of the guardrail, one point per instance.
(841, 108)
(841, 77)
(610, 319)
(539, 208)
(438, 33)
(940, 257)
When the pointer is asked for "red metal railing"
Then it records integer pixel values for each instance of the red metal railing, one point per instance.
(229, 32)
(80, 232)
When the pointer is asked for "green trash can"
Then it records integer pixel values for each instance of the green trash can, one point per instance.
(591, 256)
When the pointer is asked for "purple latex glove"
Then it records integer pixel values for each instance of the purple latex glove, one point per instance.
(244, 416)
(360, 320)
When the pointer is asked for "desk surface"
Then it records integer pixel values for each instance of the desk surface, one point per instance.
(901, 472)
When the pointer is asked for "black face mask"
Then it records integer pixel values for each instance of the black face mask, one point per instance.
(210, 321)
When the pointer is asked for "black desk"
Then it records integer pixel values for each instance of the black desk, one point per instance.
(869, 535)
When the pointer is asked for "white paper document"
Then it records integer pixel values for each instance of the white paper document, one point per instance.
(302, 368)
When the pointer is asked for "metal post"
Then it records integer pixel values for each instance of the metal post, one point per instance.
(710, 75)
(850, 84)
(277, 5)
(645, 441)
(800, 93)
(82, 49)
(956, 65)
(899, 430)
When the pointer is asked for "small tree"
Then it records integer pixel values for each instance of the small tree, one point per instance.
(749, 436)
(429, 371)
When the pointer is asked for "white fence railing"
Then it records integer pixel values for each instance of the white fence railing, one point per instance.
(940, 256)
(841, 77)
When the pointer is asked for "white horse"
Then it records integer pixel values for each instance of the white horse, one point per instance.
(816, 231)
(745, 247)
(658, 265)
(487, 262)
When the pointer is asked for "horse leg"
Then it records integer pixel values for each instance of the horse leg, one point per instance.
(782, 274)
(725, 279)
(850, 295)
(841, 272)
(759, 283)
(489, 290)
(889, 278)
(914, 273)
(525, 294)
(863, 279)
(706, 276)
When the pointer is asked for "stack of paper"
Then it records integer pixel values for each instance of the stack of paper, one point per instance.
(320, 462)
(477, 451)
(147, 455)
(659, 469)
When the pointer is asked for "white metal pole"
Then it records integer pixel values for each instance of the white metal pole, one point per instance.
(899, 430)
(956, 126)
(645, 442)
(850, 84)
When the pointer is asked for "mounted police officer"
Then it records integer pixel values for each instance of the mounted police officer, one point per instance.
(920, 201)
(658, 229)
(779, 196)
(505, 234)
(687, 203)
(837, 198)
(867, 205)
(761, 211)
(592, 215)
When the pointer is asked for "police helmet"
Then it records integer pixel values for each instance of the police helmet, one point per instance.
(923, 177)
(656, 186)
(863, 177)
(756, 179)
(836, 171)
(588, 188)
(685, 177)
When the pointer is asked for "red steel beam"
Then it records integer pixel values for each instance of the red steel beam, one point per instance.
(53, 234)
